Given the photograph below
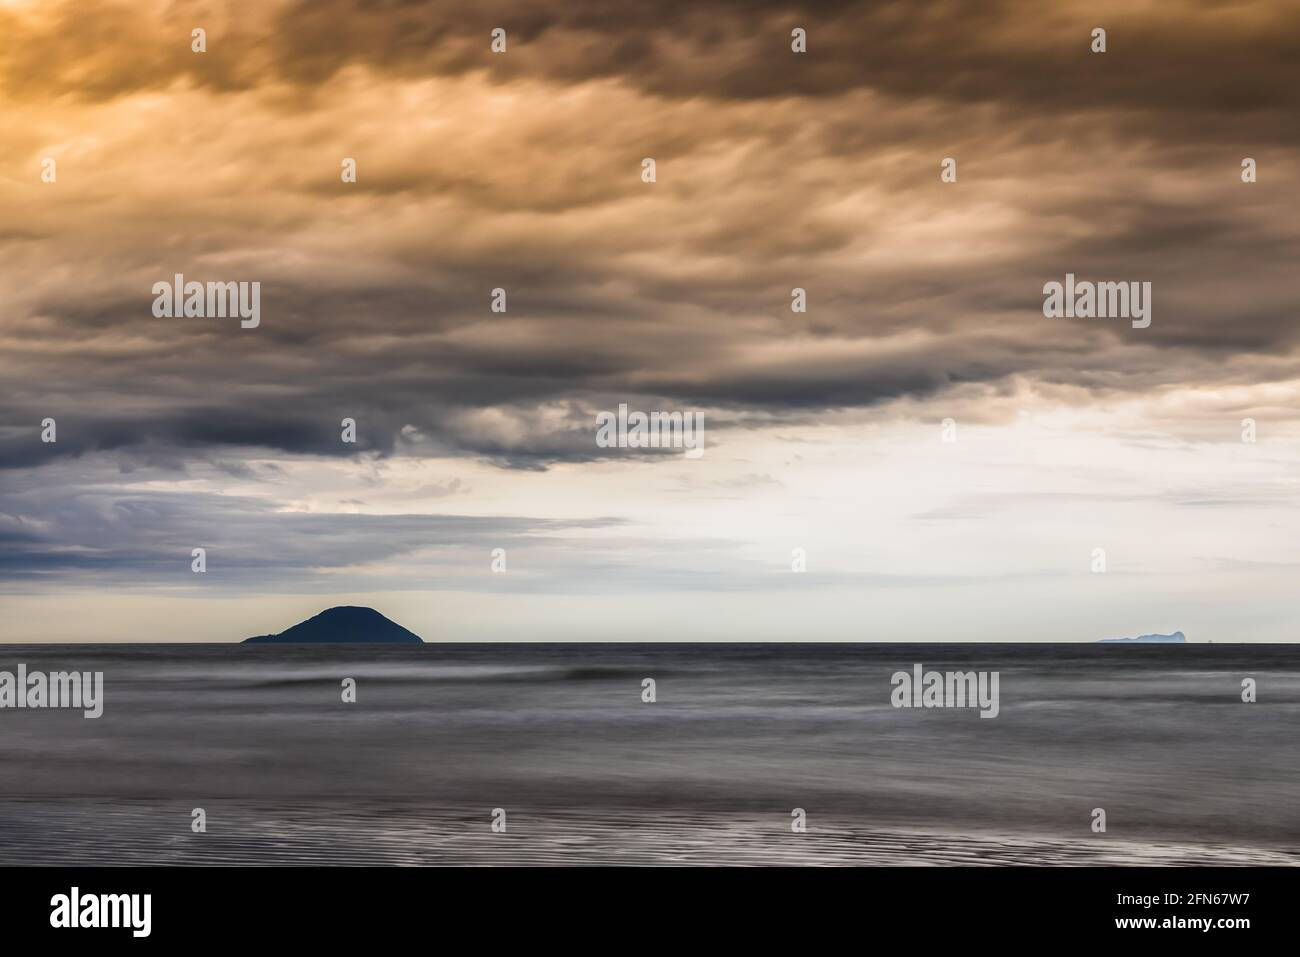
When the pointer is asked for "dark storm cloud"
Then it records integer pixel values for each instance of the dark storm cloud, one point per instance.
(818, 171)
(1189, 58)
(146, 538)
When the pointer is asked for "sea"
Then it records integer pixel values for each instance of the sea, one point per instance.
(748, 754)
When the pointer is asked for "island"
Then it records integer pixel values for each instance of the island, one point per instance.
(1175, 638)
(343, 624)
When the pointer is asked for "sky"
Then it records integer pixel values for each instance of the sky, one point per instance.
(774, 170)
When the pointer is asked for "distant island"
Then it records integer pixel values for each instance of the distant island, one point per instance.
(1175, 638)
(344, 624)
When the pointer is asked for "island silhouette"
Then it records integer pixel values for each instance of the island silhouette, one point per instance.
(343, 624)
(1176, 638)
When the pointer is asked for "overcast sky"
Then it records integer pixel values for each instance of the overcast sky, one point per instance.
(774, 170)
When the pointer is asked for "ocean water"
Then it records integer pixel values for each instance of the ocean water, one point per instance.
(558, 736)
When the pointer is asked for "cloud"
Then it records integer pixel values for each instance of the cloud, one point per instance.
(522, 172)
(142, 537)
